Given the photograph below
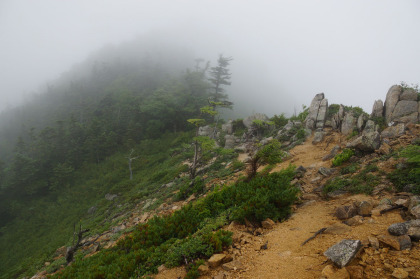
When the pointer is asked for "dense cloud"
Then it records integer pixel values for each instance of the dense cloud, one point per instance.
(284, 51)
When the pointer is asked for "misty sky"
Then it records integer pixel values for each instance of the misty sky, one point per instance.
(284, 51)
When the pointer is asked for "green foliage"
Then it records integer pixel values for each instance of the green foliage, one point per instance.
(361, 183)
(410, 173)
(192, 232)
(353, 134)
(302, 115)
(197, 122)
(344, 156)
(279, 120)
(332, 109)
(238, 127)
(197, 186)
(352, 168)
(271, 153)
(193, 270)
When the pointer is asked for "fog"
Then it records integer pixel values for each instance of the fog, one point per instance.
(284, 51)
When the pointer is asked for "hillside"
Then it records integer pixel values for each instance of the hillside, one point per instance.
(124, 168)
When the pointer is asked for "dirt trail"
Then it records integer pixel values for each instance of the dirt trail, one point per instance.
(286, 258)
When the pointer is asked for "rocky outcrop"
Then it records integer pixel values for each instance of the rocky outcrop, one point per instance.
(361, 121)
(317, 112)
(368, 142)
(230, 141)
(348, 124)
(401, 105)
(378, 109)
(337, 118)
(393, 131)
(228, 127)
(206, 131)
(256, 116)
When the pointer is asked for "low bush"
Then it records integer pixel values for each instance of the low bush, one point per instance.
(344, 156)
(409, 174)
(192, 232)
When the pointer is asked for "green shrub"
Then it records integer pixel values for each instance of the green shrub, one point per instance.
(332, 109)
(410, 173)
(344, 156)
(279, 120)
(190, 233)
(352, 168)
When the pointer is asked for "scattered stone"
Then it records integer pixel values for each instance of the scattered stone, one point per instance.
(414, 229)
(384, 149)
(415, 211)
(398, 229)
(203, 269)
(319, 136)
(336, 194)
(233, 265)
(402, 202)
(334, 151)
(162, 268)
(365, 208)
(355, 271)
(216, 260)
(92, 210)
(230, 141)
(337, 229)
(343, 252)
(332, 273)
(326, 171)
(399, 243)
(110, 197)
(374, 242)
(221, 275)
(268, 223)
(400, 273)
(354, 221)
(345, 212)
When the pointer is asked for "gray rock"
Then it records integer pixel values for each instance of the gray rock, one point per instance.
(398, 228)
(110, 197)
(206, 131)
(361, 122)
(414, 200)
(348, 124)
(365, 208)
(311, 119)
(322, 114)
(345, 212)
(415, 211)
(318, 137)
(370, 127)
(326, 171)
(230, 141)
(266, 141)
(333, 152)
(404, 108)
(392, 98)
(343, 252)
(378, 109)
(410, 118)
(256, 116)
(368, 142)
(228, 127)
(414, 229)
(408, 94)
(393, 131)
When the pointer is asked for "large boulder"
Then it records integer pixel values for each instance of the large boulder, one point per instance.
(317, 112)
(206, 131)
(370, 127)
(405, 111)
(230, 141)
(401, 105)
(228, 127)
(392, 98)
(393, 131)
(322, 114)
(361, 121)
(256, 116)
(368, 142)
(378, 109)
(348, 124)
